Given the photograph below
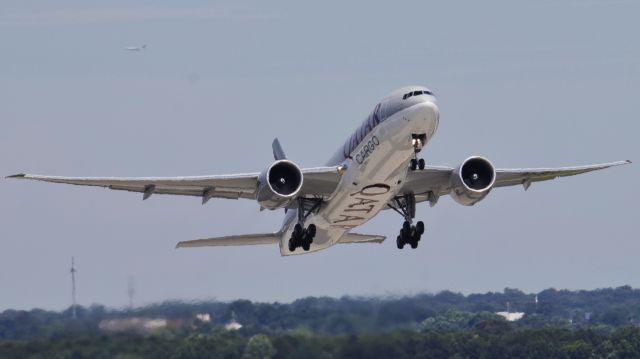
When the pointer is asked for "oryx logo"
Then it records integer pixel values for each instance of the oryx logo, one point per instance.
(368, 149)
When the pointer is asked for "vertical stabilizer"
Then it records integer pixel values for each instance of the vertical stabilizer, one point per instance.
(278, 153)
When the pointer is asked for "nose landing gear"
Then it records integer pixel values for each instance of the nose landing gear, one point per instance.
(417, 164)
(417, 141)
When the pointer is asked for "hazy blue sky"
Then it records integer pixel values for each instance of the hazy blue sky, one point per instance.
(537, 83)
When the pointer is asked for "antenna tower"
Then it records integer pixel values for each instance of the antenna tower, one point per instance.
(73, 289)
(131, 290)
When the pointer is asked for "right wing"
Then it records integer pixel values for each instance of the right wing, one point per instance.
(434, 181)
(318, 182)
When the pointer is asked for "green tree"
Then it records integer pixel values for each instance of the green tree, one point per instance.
(259, 347)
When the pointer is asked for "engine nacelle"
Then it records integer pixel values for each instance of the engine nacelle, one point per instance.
(472, 180)
(279, 184)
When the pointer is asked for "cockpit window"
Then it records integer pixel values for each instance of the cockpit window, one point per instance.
(416, 93)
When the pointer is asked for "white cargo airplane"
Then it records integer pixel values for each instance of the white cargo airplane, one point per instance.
(376, 168)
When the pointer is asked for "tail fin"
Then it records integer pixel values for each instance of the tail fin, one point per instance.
(278, 153)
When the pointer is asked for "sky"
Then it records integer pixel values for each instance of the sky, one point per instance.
(526, 84)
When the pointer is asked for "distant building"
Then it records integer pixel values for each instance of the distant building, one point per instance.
(511, 316)
(203, 317)
(233, 323)
(135, 324)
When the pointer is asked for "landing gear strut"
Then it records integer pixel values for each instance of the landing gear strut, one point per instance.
(301, 236)
(409, 234)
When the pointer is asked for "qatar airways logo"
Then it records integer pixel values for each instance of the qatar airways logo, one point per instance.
(361, 205)
(367, 150)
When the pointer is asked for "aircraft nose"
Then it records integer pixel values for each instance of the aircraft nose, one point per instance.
(425, 117)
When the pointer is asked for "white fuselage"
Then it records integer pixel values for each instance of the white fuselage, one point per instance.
(376, 167)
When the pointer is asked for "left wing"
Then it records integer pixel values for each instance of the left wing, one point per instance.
(318, 182)
(433, 182)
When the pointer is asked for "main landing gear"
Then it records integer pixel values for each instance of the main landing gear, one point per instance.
(409, 234)
(301, 236)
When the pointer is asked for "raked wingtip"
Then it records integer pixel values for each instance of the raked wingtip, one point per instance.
(19, 175)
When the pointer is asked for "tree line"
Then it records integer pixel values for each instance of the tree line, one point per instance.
(556, 323)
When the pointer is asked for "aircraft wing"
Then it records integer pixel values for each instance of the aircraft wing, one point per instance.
(432, 182)
(318, 182)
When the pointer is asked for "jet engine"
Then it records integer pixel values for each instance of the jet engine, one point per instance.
(472, 180)
(278, 184)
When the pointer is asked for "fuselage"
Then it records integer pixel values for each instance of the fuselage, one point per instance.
(375, 158)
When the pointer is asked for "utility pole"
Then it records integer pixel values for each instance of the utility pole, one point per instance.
(73, 289)
(131, 290)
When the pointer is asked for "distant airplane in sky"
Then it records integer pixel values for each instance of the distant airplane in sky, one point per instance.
(136, 48)
(377, 168)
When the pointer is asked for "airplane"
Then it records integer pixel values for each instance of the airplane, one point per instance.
(136, 48)
(377, 168)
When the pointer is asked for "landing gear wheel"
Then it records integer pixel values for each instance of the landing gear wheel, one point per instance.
(421, 164)
(311, 232)
(306, 244)
(297, 231)
(292, 246)
(420, 227)
(406, 227)
(400, 242)
(413, 164)
(414, 243)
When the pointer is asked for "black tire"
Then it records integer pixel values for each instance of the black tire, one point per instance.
(306, 245)
(420, 227)
(292, 246)
(414, 244)
(297, 231)
(311, 231)
(406, 227)
(413, 164)
(400, 242)
(421, 163)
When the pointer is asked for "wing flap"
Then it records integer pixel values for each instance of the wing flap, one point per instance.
(239, 240)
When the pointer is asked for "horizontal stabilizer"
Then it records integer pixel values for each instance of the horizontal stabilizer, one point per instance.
(361, 238)
(240, 240)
